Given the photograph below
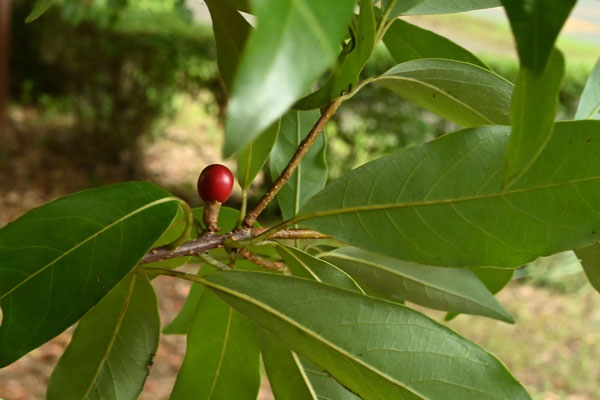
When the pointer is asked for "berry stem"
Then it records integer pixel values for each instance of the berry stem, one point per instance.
(211, 215)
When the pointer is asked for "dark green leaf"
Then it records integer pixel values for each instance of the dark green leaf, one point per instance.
(377, 349)
(293, 43)
(349, 64)
(446, 289)
(589, 104)
(311, 175)
(306, 266)
(293, 378)
(407, 42)
(231, 32)
(254, 157)
(442, 203)
(112, 348)
(464, 93)
(58, 260)
(241, 5)
(495, 279)
(39, 8)
(222, 356)
(536, 25)
(590, 261)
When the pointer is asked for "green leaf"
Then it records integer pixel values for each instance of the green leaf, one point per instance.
(534, 105)
(227, 221)
(311, 175)
(407, 42)
(293, 378)
(438, 6)
(293, 43)
(536, 25)
(240, 5)
(222, 356)
(463, 93)
(112, 348)
(254, 157)
(172, 233)
(306, 266)
(231, 32)
(377, 349)
(495, 279)
(589, 104)
(58, 260)
(39, 8)
(442, 203)
(590, 261)
(445, 289)
(350, 63)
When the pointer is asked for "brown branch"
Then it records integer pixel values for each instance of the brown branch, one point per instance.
(263, 262)
(292, 234)
(293, 164)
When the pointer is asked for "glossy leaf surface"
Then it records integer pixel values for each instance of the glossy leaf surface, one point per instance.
(111, 351)
(463, 93)
(406, 42)
(306, 266)
(446, 289)
(589, 104)
(536, 25)
(442, 203)
(311, 175)
(59, 260)
(533, 109)
(222, 355)
(293, 43)
(254, 157)
(377, 349)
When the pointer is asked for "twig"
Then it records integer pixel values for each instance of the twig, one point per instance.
(292, 234)
(212, 261)
(293, 164)
(263, 262)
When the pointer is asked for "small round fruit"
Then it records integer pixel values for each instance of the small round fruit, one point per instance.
(215, 183)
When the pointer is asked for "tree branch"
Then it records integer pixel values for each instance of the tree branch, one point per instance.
(263, 262)
(293, 164)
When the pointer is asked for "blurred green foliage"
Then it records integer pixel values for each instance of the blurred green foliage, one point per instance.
(109, 69)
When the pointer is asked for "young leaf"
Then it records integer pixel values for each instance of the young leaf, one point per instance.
(293, 43)
(446, 289)
(254, 157)
(442, 203)
(464, 93)
(306, 266)
(39, 8)
(311, 175)
(589, 104)
(439, 6)
(112, 348)
(590, 261)
(375, 348)
(222, 356)
(231, 32)
(407, 42)
(58, 260)
(350, 63)
(536, 25)
(293, 378)
(533, 109)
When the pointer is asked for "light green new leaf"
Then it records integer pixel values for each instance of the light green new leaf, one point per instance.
(375, 348)
(407, 42)
(536, 25)
(294, 42)
(438, 6)
(589, 104)
(534, 105)
(464, 93)
(442, 203)
(39, 8)
(306, 266)
(231, 32)
(58, 260)
(311, 175)
(222, 356)
(447, 289)
(112, 348)
(350, 63)
(293, 378)
(254, 157)
(172, 233)
(590, 261)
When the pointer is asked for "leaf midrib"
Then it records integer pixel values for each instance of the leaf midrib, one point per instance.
(226, 337)
(72, 249)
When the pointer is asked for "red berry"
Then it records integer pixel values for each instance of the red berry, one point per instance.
(215, 183)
